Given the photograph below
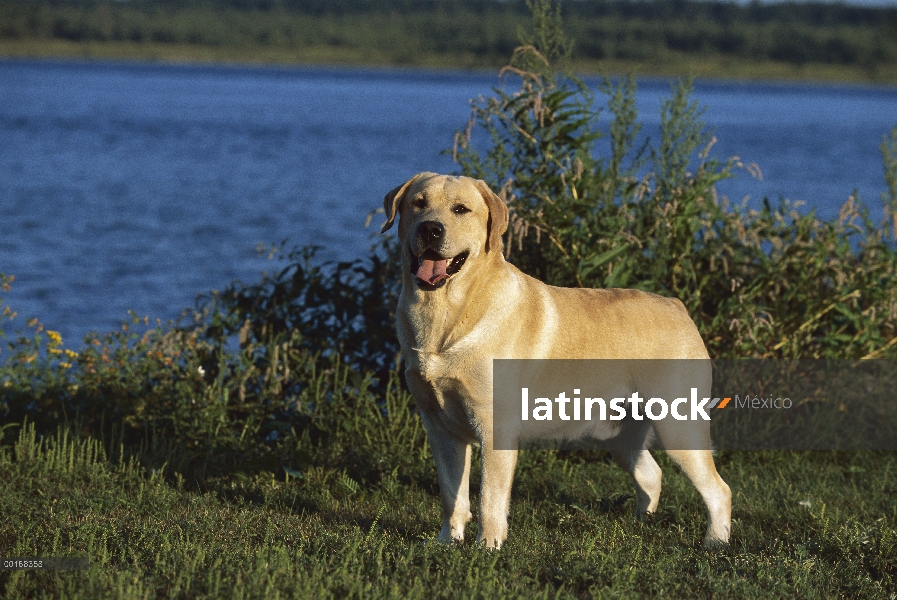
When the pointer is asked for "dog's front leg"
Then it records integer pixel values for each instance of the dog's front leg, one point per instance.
(495, 496)
(453, 473)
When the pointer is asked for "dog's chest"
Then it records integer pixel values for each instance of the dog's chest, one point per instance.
(446, 390)
(451, 372)
(432, 366)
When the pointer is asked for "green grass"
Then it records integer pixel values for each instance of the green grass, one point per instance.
(805, 525)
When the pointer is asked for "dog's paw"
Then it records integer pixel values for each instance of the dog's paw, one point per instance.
(715, 544)
(646, 517)
(491, 542)
(437, 540)
(451, 535)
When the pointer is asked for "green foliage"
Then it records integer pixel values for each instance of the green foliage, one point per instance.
(344, 309)
(659, 33)
(889, 162)
(259, 375)
(770, 282)
(548, 33)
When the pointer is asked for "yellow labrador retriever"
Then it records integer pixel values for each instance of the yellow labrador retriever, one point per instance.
(462, 305)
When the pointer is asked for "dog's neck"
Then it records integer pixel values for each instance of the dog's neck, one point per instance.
(440, 318)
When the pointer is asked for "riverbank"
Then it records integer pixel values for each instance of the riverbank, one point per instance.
(670, 66)
(784, 42)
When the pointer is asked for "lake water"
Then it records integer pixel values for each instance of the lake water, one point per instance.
(140, 186)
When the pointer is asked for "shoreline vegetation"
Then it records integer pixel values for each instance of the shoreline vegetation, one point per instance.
(798, 42)
(326, 56)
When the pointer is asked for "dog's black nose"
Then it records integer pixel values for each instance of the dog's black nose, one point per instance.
(430, 231)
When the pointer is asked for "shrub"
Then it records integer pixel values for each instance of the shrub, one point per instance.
(767, 282)
(180, 400)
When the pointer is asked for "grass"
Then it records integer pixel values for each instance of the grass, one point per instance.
(805, 525)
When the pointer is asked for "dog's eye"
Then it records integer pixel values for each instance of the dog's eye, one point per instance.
(460, 209)
(419, 203)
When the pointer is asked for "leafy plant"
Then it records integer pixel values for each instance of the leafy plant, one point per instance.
(258, 376)
(767, 282)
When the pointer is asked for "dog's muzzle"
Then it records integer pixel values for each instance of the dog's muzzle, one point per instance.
(431, 270)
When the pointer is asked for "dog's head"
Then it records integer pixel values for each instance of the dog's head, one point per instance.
(444, 222)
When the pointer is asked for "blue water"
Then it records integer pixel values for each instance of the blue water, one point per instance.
(140, 186)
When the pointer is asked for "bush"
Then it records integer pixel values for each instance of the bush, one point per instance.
(249, 377)
(770, 282)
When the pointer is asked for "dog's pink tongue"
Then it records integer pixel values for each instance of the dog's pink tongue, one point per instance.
(432, 271)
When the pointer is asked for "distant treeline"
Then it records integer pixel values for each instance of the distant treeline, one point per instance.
(404, 30)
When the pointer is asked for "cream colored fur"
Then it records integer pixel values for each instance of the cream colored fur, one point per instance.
(489, 309)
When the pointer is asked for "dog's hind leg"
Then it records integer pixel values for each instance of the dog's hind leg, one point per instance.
(646, 474)
(698, 466)
(688, 444)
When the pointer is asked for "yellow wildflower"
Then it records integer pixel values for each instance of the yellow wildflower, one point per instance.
(65, 365)
(55, 338)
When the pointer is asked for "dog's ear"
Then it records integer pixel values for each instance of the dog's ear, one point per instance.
(498, 216)
(392, 200)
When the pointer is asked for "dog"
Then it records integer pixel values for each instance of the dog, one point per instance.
(462, 305)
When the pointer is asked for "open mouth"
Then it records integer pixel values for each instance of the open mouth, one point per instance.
(431, 271)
